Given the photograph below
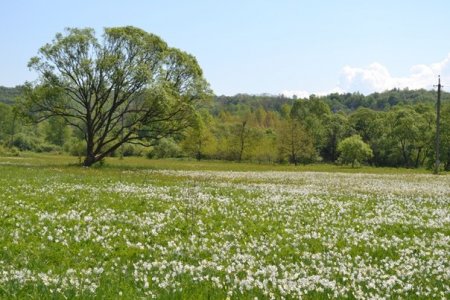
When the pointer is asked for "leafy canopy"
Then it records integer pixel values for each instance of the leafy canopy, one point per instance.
(128, 87)
(354, 151)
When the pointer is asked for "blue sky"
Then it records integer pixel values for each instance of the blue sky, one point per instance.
(249, 46)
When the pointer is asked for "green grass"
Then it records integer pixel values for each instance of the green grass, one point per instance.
(39, 159)
(179, 229)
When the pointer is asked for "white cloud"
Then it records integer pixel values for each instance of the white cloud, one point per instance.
(377, 78)
(298, 94)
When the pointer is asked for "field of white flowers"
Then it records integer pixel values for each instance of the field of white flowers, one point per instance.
(126, 234)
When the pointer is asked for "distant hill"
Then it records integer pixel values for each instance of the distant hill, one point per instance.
(338, 102)
(241, 102)
(347, 102)
(9, 94)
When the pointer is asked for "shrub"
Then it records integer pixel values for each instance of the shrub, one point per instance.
(166, 148)
(25, 143)
(75, 147)
(354, 151)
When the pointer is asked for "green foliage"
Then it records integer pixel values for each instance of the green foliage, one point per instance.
(8, 151)
(354, 151)
(165, 148)
(6, 122)
(337, 127)
(398, 125)
(75, 147)
(132, 150)
(295, 143)
(445, 138)
(199, 141)
(365, 122)
(129, 86)
(264, 146)
(9, 95)
(25, 142)
(411, 133)
(312, 114)
(56, 131)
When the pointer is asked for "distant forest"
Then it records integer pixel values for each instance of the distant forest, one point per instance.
(398, 126)
(9, 95)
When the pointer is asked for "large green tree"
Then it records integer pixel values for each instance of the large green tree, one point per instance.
(295, 143)
(128, 87)
(199, 141)
(337, 127)
(313, 114)
(410, 131)
(371, 126)
(445, 137)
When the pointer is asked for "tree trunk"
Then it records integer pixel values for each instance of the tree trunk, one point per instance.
(242, 140)
(13, 131)
(198, 155)
(89, 160)
(416, 164)
(447, 163)
(294, 158)
(93, 157)
(405, 155)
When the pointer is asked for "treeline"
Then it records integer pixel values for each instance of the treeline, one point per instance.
(397, 125)
(9, 94)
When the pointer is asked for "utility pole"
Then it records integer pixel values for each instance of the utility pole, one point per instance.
(438, 127)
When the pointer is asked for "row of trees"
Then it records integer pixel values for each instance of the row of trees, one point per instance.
(130, 91)
(299, 131)
(308, 131)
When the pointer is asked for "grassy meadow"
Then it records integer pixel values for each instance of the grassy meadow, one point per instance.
(168, 229)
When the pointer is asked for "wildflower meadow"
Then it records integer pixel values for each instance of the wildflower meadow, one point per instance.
(129, 233)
